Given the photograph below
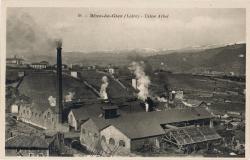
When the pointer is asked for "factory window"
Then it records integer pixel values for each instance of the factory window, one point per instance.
(40, 154)
(83, 131)
(103, 139)
(48, 115)
(112, 141)
(90, 134)
(31, 154)
(95, 136)
(122, 143)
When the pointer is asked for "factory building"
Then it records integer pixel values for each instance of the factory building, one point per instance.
(108, 128)
(43, 110)
(123, 134)
(79, 115)
(48, 92)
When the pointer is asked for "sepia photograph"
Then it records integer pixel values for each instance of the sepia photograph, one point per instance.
(127, 82)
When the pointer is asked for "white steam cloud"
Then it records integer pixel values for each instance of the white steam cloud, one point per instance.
(143, 80)
(52, 101)
(161, 99)
(103, 92)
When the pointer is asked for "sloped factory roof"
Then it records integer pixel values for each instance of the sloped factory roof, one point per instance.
(23, 141)
(43, 84)
(147, 124)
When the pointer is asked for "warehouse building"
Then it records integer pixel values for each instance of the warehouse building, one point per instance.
(123, 134)
(48, 92)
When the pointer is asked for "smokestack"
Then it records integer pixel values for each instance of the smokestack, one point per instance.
(149, 104)
(59, 97)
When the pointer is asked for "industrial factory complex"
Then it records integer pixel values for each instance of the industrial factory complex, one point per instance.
(60, 109)
(151, 82)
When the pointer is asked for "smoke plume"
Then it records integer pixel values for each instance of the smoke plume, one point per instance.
(52, 101)
(26, 38)
(187, 104)
(143, 80)
(69, 97)
(161, 99)
(103, 90)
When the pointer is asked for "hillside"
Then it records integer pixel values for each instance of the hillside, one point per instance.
(223, 59)
(229, 58)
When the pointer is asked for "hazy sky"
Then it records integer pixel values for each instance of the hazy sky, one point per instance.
(182, 28)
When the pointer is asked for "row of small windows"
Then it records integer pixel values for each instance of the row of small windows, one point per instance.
(36, 114)
(31, 113)
(111, 140)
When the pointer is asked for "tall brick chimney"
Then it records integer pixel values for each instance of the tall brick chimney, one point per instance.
(59, 91)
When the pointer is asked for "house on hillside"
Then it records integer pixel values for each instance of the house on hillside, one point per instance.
(14, 60)
(64, 66)
(40, 65)
(75, 74)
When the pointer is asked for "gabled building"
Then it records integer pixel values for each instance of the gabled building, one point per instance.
(128, 133)
(78, 116)
(47, 92)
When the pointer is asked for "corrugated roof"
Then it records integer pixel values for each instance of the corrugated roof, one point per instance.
(23, 141)
(191, 135)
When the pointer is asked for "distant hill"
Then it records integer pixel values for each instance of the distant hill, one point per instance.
(230, 58)
(227, 58)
